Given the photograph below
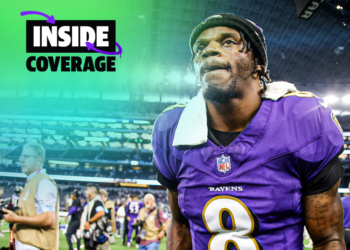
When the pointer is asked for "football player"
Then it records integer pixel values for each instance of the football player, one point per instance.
(132, 210)
(248, 164)
(15, 196)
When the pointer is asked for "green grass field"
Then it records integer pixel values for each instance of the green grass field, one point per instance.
(63, 242)
(64, 246)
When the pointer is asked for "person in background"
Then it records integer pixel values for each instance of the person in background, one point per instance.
(109, 208)
(15, 196)
(121, 218)
(68, 202)
(132, 210)
(346, 205)
(36, 221)
(1, 194)
(126, 227)
(155, 224)
(75, 211)
(91, 220)
(117, 225)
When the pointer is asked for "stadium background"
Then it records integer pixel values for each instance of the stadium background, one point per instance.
(97, 126)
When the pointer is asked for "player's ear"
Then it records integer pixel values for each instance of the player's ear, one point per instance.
(259, 65)
(259, 68)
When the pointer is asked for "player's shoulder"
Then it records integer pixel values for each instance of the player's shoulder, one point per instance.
(303, 106)
(165, 125)
(301, 101)
(304, 111)
(170, 116)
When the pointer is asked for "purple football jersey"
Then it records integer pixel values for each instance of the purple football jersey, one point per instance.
(15, 198)
(346, 205)
(133, 208)
(249, 194)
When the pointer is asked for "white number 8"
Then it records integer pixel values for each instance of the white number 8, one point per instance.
(243, 224)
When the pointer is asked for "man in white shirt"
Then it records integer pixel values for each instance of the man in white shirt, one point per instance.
(121, 218)
(45, 201)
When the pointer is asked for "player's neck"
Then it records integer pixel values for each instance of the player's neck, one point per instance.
(234, 115)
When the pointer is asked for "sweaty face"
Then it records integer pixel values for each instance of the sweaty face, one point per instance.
(29, 160)
(219, 65)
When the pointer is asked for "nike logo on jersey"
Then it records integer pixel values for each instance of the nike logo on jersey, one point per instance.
(222, 189)
(325, 105)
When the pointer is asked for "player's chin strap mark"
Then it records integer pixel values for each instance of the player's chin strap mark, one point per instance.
(244, 42)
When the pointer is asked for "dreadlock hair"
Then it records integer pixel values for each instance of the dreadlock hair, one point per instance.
(244, 42)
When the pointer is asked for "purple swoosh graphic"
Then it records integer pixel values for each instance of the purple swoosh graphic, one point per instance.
(50, 19)
(91, 46)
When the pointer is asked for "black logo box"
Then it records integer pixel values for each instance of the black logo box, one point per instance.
(69, 49)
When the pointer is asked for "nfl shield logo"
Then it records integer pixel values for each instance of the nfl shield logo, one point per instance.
(224, 164)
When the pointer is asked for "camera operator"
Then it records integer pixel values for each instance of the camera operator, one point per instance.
(109, 213)
(91, 224)
(154, 224)
(75, 211)
(36, 220)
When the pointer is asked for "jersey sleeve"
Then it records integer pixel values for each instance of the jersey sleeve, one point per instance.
(326, 144)
(163, 159)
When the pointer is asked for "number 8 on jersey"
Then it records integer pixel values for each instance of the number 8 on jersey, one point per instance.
(244, 224)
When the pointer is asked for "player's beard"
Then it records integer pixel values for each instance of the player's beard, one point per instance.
(213, 93)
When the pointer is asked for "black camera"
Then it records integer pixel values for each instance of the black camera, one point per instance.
(138, 223)
(6, 203)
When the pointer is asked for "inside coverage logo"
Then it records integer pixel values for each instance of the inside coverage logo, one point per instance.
(70, 36)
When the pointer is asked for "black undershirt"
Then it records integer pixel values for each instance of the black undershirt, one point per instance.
(324, 180)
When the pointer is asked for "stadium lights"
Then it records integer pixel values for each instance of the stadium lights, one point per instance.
(70, 163)
(346, 99)
(339, 7)
(190, 78)
(331, 99)
(134, 163)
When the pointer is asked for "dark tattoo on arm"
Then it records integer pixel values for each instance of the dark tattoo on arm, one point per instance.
(324, 219)
(179, 235)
